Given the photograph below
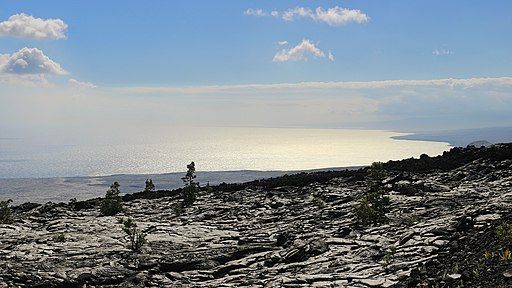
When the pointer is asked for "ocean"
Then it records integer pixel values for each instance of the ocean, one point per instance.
(29, 165)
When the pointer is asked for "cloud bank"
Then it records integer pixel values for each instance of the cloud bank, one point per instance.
(395, 104)
(335, 16)
(26, 26)
(309, 86)
(390, 104)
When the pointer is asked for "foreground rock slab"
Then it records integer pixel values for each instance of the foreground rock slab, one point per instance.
(292, 236)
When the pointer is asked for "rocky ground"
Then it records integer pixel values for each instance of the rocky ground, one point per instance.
(295, 231)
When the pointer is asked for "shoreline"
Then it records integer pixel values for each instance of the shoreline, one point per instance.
(461, 137)
(223, 150)
(62, 189)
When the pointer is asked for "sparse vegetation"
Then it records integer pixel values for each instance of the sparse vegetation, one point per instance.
(177, 208)
(150, 187)
(475, 272)
(504, 230)
(505, 255)
(189, 193)
(488, 255)
(137, 238)
(455, 268)
(112, 203)
(318, 202)
(5, 212)
(389, 256)
(374, 205)
(61, 237)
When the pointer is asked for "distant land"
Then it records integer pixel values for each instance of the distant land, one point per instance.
(462, 137)
(62, 189)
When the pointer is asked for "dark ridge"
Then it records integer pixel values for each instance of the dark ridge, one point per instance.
(151, 195)
(452, 159)
(295, 180)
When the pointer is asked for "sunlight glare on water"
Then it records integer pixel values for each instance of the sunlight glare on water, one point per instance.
(212, 149)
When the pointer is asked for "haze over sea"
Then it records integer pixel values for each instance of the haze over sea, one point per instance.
(212, 149)
(38, 170)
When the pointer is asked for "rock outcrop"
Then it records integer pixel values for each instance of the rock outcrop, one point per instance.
(259, 234)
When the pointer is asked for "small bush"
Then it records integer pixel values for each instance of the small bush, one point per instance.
(137, 238)
(150, 187)
(5, 212)
(489, 255)
(372, 209)
(389, 256)
(61, 237)
(506, 255)
(504, 231)
(374, 205)
(178, 208)
(318, 202)
(112, 203)
(189, 192)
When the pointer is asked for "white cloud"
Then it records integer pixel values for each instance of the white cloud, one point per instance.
(297, 12)
(255, 12)
(339, 16)
(442, 52)
(26, 26)
(404, 103)
(81, 85)
(299, 52)
(330, 56)
(29, 61)
(334, 16)
(282, 43)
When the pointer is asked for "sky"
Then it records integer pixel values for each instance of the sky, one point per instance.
(93, 67)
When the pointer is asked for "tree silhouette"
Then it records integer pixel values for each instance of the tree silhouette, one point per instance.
(191, 186)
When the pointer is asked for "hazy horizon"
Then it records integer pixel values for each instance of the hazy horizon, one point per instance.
(86, 68)
(212, 149)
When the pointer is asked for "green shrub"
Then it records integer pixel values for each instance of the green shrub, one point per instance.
(375, 175)
(112, 203)
(389, 256)
(5, 212)
(504, 231)
(189, 192)
(506, 255)
(372, 209)
(137, 238)
(374, 205)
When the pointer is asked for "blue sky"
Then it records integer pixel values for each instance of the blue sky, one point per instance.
(366, 64)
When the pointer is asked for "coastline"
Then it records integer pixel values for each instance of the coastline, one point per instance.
(62, 189)
(461, 137)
